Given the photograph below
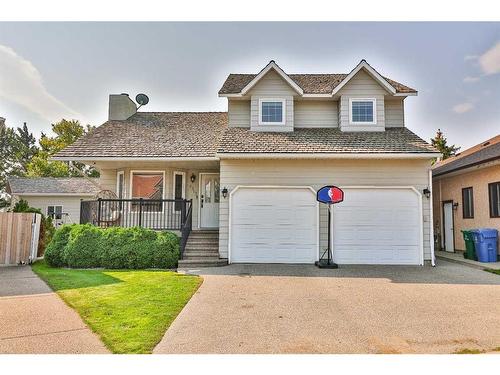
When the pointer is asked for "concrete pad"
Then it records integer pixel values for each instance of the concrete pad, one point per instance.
(355, 309)
(35, 320)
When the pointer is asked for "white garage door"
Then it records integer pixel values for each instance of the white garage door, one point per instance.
(274, 225)
(377, 226)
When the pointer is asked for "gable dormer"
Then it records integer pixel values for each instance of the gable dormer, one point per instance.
(274, 101)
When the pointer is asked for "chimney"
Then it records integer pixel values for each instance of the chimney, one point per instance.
(121, 107)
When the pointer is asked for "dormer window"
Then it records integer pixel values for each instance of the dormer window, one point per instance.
(272, 111)
(362, 111)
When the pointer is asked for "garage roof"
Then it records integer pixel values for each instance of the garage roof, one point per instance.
(51, 185)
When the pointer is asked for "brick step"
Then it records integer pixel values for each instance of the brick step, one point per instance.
(192, 263)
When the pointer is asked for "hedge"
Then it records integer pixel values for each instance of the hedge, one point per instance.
(87, 246)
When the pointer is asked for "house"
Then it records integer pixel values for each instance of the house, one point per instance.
(466, 191)
(251, 174)
(59, 198)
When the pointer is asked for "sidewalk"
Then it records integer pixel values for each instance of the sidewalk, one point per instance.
(35, 320)
(458, 257)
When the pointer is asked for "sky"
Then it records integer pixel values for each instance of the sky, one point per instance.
(50, 71)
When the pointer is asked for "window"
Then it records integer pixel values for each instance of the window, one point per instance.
(179, 189)
(362, 111)
(467, 203)
(55, 212)
(494, 193)
(147, 185)
(272, 111)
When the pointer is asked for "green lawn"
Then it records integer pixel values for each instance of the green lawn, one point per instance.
(492, 271)
(129, 310)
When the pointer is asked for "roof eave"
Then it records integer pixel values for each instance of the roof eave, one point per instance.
(292, 155)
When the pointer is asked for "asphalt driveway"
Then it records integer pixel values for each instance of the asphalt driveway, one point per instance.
(355, 309)
(33, 319)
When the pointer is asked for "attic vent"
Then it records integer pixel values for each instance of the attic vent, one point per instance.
(486, 144)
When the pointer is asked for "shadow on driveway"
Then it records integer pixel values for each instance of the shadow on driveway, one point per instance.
(444, 272)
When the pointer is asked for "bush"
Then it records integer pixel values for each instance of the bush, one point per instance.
(54, 253)
(86, 246)
(47, 228)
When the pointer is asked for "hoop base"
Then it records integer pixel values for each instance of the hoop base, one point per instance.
(323, 263)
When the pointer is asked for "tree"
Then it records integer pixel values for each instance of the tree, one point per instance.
(440, 142)
(11, 154)
(66, 133)
(24, 147)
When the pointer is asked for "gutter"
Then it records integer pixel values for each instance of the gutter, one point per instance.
(122, 158)
(327, 155)
(431, 221)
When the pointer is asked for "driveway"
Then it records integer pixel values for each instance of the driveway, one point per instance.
(33, 319)
(355, 309)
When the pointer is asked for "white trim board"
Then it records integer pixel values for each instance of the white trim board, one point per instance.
(183, 174)
(290, 155)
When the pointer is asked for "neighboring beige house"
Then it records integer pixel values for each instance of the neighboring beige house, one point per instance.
(251, 174)
(466, 191)
(59, 198)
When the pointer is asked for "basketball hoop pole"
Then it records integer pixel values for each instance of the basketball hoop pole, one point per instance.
(329, 263)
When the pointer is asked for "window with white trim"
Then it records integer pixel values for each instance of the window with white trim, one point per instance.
(55, 212)
(362, 111)
(272, 111)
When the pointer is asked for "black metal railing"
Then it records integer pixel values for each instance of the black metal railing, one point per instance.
(187, 225)
(157, 214)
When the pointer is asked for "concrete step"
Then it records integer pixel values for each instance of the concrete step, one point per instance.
(201, 257)
(204, 234)
(201, 252)
(193, 263)
(201, 247)
(203, 242)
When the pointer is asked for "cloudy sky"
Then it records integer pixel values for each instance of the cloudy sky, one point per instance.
(53, 70)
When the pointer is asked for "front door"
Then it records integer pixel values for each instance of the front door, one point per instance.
(448, 227)
(209, 200)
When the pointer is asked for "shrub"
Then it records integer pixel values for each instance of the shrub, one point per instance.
(54, 254)
(84, 247)
(167, 250)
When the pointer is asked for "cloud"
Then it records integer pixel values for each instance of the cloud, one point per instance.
(490, 60)
(463, 107)
(471, 57)
(471, 79)
(21, 83)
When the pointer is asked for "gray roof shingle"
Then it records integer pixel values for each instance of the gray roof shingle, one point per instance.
(153, 134)
(323, 140)
(484, 152)
(310, 83)
(51, 185)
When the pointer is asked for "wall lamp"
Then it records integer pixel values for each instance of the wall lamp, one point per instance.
(455, 206)
(193, 177)
(224, 192)
(427, 192)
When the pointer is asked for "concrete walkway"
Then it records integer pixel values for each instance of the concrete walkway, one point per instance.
(458, 257)
(355, 309)
(33, 319)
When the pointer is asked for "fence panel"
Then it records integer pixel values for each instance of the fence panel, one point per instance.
(18, 237)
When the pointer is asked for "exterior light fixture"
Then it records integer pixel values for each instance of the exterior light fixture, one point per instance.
(455, 206)
(224, 192)
(193, 178)
(427, 192)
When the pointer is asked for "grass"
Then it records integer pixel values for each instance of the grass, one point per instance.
(130, 310)
(492, 271)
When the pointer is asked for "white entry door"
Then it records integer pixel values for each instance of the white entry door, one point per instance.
(209, 200)
(449, 244)
(378, 226)
(274, 225)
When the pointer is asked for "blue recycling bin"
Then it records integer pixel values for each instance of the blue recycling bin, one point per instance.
(486, 242)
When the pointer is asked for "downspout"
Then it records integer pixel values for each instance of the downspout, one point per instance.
(431, 221)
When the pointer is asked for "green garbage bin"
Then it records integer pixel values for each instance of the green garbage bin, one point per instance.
(470, 250)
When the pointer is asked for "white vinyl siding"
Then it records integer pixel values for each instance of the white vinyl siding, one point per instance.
(394, 113)
(316, 114)
(272, 86)
(238, 113)
(317, 174)
(362, 85)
